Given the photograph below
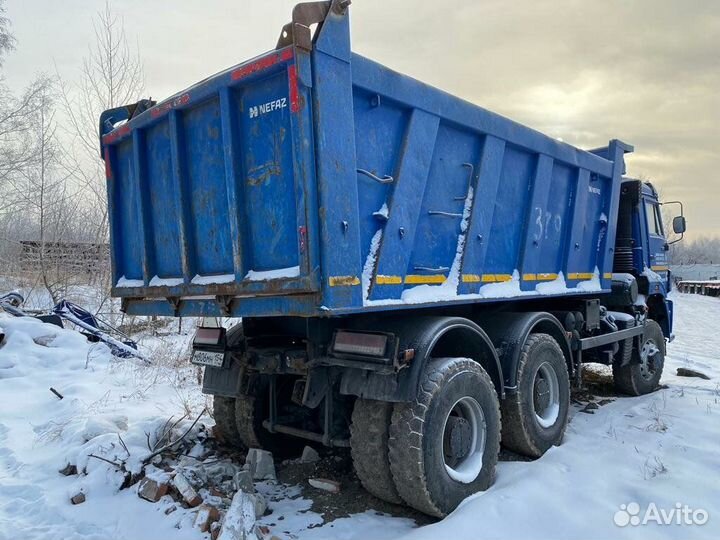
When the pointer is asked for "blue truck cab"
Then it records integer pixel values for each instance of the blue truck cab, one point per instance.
(642, 248)
(417, 278)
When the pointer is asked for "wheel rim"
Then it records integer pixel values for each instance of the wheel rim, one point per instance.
(648, 359)
(546, 395)
(464, 437)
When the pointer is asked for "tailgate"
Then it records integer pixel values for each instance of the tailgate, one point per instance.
(209, 190)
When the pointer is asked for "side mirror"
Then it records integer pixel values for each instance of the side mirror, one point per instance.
(679, 225)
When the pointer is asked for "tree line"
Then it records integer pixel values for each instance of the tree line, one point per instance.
(702, 250)
(52, 181)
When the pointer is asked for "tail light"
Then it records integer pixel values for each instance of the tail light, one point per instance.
(209, 337)
(360, 344)
(209, 347)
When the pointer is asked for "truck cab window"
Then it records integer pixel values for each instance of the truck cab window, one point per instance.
(654, 221)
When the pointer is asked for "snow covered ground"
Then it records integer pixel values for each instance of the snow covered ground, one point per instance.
(656, 451)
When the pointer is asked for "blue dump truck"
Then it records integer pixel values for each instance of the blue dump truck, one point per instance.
(419, 279)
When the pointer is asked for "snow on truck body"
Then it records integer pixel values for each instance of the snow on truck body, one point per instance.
(405, 263)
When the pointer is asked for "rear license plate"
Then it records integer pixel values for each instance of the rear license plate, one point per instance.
(207, 358)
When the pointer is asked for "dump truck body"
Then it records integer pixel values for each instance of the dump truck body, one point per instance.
(406, 264)
(318, 182)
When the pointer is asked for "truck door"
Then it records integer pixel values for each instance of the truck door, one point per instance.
(657, 254)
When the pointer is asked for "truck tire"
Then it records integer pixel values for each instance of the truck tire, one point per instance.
(251, 408)
(535, 417)
(642, 375)
(444, 444)
(224, 415)
(224, 407)
(369, 434)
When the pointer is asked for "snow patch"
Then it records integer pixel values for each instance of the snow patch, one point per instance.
(559, 285)
(383, 213)
(503, 289)
(652, 276)
(109, 406)
(591, 285)
(214, 279)
(278, 273)
(157, 281)
(369, 267)
(125, 282)
(556, 286)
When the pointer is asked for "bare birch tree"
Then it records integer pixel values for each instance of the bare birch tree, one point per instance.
(7, 41)
(44, 191)
(111, 76)
(17, 149)
(15, 121)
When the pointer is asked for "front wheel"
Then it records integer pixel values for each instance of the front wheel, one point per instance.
(642, 375)
(444, 445)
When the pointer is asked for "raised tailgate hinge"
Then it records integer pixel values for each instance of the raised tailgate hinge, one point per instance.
(297, 32)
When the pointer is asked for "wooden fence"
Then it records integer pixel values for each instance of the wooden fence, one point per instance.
(78, 258)
(707, 288)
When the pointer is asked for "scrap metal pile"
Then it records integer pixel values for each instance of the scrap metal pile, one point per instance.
(91, 326)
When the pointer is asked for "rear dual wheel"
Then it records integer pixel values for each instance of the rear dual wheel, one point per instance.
(369, 437)
(240, 420)
(224, 407)
(224, 415)
(535, 417)
(436, 450)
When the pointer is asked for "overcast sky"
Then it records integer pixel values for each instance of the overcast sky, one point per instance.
(644, 71)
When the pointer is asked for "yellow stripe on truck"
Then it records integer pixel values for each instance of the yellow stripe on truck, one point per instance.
(495, 278)
(546, 276)
(581, 275)
(420, 280)
(343, 281)
(388, 280)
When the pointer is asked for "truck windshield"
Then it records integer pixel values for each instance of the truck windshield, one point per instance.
(654, 220)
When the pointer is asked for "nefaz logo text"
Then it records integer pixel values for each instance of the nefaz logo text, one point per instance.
(270, 106)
